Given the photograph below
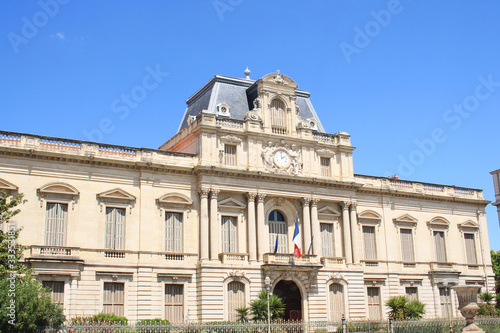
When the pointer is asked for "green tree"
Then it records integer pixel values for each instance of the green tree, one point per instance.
(24, 303)
(402, 308)
(258, 307)
(495, 260)
(243, 314)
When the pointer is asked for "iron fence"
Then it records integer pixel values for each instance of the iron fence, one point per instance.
(489, 325)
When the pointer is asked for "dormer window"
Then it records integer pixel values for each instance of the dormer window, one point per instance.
(223, 110)
(278, 117)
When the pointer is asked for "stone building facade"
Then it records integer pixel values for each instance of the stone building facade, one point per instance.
(190, 231)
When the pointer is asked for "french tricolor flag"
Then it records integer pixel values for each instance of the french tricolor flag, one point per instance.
(296, 239)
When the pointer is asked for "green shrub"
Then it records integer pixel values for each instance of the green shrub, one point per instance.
(100, 318)
(156, 321)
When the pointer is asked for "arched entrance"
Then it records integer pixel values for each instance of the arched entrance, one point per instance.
(290, 293)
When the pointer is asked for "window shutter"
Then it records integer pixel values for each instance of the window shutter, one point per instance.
(236, 299)
(336, 292)
(407, 245)
(55, 225)
(173, 232)
(373, 302)
(470, 249)
(174, 303)
(369, 243)
(327, 239)
(439, 246)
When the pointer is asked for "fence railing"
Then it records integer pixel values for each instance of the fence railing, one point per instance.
(489, 325)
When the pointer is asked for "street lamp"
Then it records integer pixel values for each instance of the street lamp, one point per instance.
(267, 282)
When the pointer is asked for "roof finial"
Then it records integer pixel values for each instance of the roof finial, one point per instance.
(247, 73)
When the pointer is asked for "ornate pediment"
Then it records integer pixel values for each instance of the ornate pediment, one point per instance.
(7, 186)
(328, 212)
(369, 215)
(325, 152)
(59, 188)
(278, 78)
(174, 199)
(406, 218)
(230, 138)
(116, 194)
(231, 203)
(469, 224)
(438, 221)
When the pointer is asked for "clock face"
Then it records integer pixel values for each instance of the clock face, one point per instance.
(281, 158)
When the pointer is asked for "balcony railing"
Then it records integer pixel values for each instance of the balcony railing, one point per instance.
(55, 251)
(233, 257)
(442, 266)
(290, 259)
(116, 254)
(332, 261)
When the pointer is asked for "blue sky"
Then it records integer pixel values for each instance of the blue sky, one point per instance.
(416, 83)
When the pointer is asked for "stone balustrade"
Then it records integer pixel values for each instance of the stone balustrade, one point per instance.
(89, 150)
(423, 189)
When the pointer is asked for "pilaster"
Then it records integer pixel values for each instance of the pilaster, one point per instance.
(346, 228)
(214, 226)
(204, 223)
(252, 235)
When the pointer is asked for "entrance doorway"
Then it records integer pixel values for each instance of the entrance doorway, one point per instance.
(289, 292)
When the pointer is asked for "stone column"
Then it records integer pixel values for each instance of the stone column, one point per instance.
(306, 224)
(354, 233)
(262, 243)
(347, 232)
(214, 227)
(252, 235)
(316, 232)
(204, 223)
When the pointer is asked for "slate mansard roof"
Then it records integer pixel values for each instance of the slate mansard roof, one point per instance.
(238, 94)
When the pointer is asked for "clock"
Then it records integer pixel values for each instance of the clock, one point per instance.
(281, 158)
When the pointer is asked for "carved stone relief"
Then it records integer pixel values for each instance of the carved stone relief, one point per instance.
(291, 154)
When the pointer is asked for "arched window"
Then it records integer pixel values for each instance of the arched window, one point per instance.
(278, 117)
(235, 299)
(336, 296)
(277, 232)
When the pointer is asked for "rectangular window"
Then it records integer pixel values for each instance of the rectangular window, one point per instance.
(55, 224)
(229, 234)
(444, 300)
(235, 299)
(439, 246)
(174, 303)
(173, 232)
(115, 228)
(336, 292)
(56, 290)
(229, 155)
(327, 239)
(325, 167)
(411, 293)
(470, 249)
(374, 309)
(369, 243)
(407, 245)
(277, 229)
(113, 299)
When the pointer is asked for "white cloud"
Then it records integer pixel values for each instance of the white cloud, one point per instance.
(58, 35)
